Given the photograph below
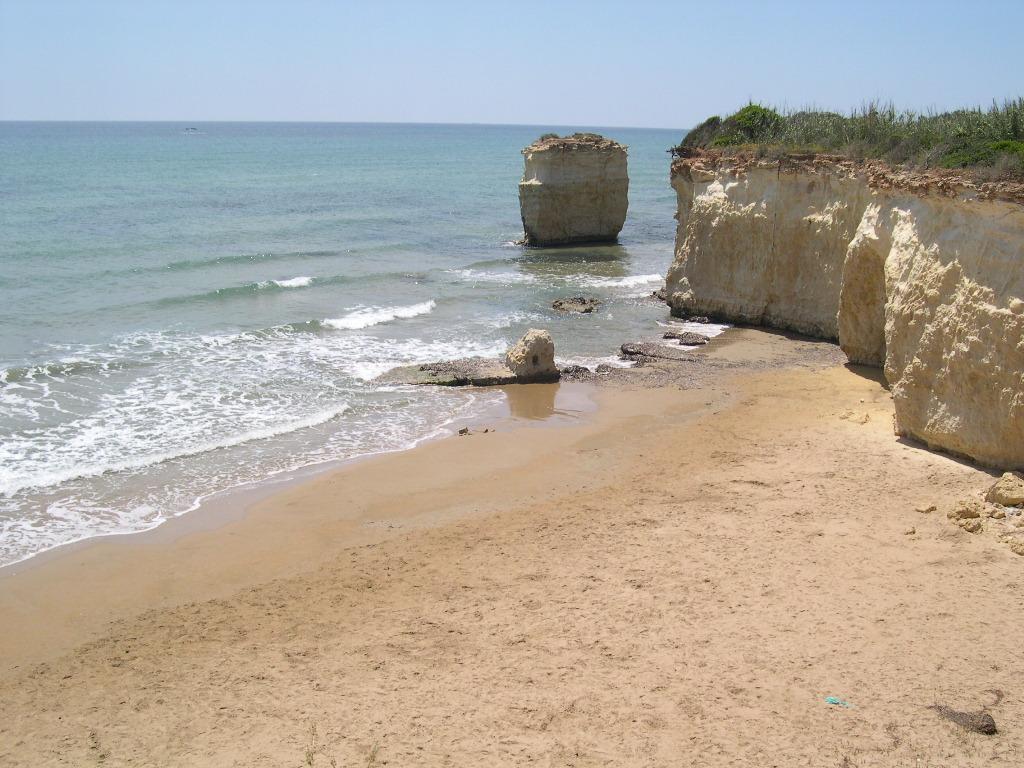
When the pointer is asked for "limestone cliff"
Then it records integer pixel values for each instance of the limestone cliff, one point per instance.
(574, 190)
(922, 275)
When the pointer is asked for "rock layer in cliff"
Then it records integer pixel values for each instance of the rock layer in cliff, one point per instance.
(574, 190)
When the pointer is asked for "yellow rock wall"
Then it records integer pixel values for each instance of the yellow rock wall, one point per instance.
(931, 287)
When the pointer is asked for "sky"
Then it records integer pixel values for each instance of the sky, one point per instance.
(595, 63)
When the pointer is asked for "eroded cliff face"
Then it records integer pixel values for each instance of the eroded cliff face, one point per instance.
(763, 248)
(924, 280)
(574, 189)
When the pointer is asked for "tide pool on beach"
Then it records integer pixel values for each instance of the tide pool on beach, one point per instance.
(189, 308)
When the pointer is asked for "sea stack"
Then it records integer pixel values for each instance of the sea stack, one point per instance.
(574, 190)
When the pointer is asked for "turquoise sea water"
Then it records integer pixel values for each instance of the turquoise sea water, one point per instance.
(185, 309)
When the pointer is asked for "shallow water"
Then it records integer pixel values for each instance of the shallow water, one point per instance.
(187, 311)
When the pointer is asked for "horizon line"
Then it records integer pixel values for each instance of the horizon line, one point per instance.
(351, 122)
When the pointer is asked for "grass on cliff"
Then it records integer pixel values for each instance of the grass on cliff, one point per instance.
(989, 140)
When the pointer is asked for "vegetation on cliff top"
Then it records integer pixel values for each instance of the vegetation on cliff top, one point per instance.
(575, 140)
(983, 139)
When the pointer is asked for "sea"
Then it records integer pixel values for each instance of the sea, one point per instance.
(191, 308)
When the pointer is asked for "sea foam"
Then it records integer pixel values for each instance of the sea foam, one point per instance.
(630, 281)
(368, 316)
(293, 282)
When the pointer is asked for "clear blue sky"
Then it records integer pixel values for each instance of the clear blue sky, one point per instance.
(625, 63)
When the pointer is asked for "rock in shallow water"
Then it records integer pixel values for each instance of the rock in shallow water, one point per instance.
(471, 371)
(531, 359)
(581, 304)
(687, 338)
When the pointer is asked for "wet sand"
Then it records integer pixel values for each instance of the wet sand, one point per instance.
(679, 578)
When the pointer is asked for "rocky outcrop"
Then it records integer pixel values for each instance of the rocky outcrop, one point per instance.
(467, 372)
(529, 360)
(924, 278)
(532, 358)
(574, 190)
(687, 338)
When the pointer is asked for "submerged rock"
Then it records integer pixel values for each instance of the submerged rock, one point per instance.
(582, 304)
(532, 358)
(574, 190)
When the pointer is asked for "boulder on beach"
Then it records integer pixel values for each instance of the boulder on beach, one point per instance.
(1008, 490)
(532, 358)
(582, 304)
(574, 190)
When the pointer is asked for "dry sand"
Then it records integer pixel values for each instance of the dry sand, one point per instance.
(679, 579)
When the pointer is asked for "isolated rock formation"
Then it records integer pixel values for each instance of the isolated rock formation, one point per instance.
(532, 358)
(574, 190)
(924, 277)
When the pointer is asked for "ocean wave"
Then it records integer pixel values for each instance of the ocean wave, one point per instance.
(184, 265)
(372, 357)
(57, 369)
(291, 282)
(251, 289)
(592, 363)
(44, 474)
(502, 278)
(368, 316)
(516, 318)
(630, 281)
(705, 329)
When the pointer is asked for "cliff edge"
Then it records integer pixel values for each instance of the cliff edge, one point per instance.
(574, 190)
(922, 274)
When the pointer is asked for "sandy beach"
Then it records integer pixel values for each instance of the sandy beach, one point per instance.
(681, 577)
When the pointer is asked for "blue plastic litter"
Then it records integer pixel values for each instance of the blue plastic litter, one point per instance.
(837, 702)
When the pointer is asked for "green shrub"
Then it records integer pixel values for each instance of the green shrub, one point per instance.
(756, 123)
(703, 134)
(958, 139)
